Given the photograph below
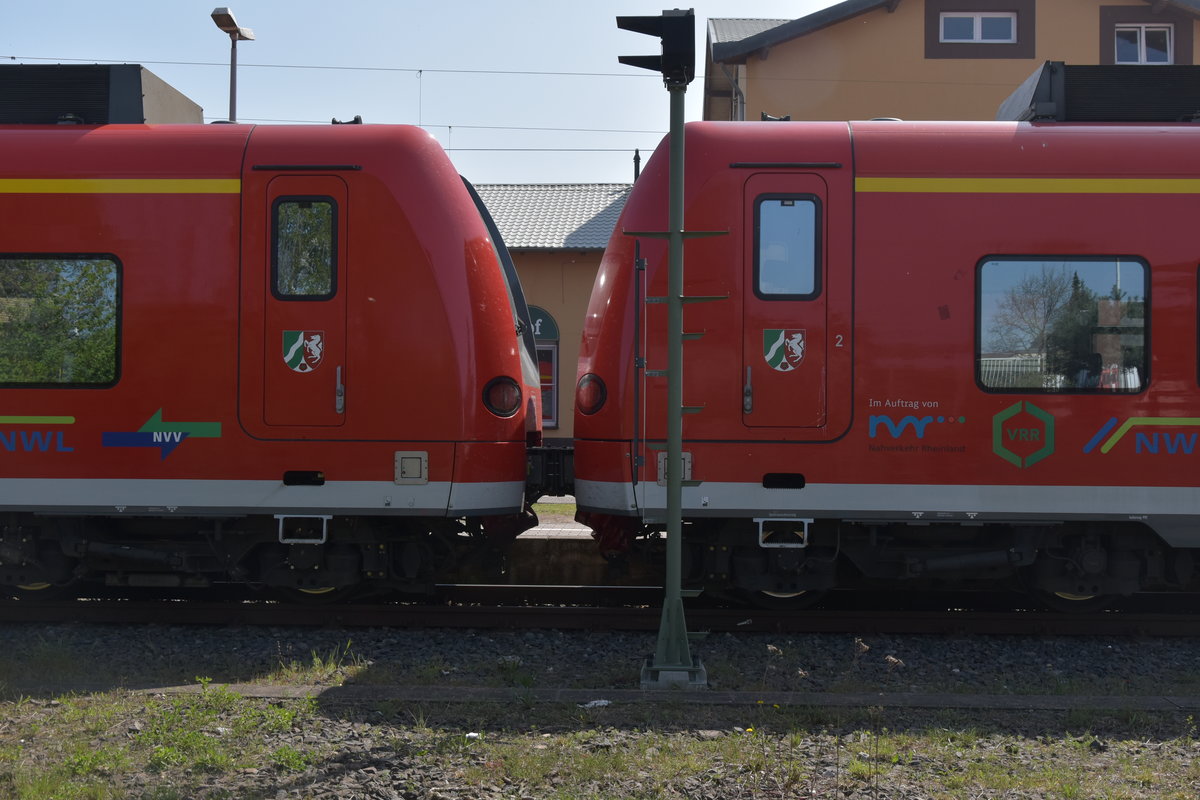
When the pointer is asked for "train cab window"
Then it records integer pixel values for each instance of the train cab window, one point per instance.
(1062, 325)
(59, 317)
(787, 247)
(304, 247)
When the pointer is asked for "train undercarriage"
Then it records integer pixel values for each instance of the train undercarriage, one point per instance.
(302, 555)
(774, 563)
(1068, 566)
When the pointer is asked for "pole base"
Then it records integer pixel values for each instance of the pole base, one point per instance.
(674, 676)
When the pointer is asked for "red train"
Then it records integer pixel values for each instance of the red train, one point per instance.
(951, 353)
(299, 357)
(222, 345)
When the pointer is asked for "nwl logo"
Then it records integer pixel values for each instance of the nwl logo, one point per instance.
(34, 442)
(1174, 443)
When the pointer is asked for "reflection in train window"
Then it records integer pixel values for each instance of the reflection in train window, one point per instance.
(1062, 324)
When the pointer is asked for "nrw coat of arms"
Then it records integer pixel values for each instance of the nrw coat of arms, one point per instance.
(303, 351)
(783, 348)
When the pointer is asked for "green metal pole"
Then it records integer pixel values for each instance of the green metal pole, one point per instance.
(672, 658)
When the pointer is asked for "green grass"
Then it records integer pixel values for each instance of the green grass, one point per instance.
(333, 667)
(93, 746)
(554, 510)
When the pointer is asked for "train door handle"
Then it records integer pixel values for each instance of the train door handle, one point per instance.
(747, 394)
(339, 394)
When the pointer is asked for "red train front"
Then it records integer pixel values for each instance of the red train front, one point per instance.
(224, 345)
(947, 352)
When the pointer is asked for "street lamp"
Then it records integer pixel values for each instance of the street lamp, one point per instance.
(224, 20)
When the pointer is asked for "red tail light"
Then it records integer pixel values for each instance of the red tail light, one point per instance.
(502, 396)
(590, 394)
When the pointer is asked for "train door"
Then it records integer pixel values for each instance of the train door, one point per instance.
(299, 270)
(785, 297)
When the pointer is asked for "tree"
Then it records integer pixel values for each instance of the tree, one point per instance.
(1027, 311)
(304, 237)
(58, 321)
(1069, 346)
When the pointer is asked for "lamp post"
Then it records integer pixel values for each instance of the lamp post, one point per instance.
(224, 20)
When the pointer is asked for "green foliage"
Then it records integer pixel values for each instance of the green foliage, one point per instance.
(58, 321)
(304, 236)
(289, 759)
(88, 760)
(334, 666)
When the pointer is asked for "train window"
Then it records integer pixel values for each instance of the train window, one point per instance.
(786, 247)
(304, 238)
(1062, 325)
(59, 317)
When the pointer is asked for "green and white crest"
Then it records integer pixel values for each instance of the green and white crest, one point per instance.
(303, 351)
(783, 348)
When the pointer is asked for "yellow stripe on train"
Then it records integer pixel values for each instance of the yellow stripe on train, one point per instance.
(1030, 185)
(120, 186)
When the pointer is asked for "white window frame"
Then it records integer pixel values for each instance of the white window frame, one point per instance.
(977, 18)
(549, 410)
(1141, 28)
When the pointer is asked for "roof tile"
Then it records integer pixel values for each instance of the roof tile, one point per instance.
(555, 216)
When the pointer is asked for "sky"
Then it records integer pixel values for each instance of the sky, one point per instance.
(523, 91)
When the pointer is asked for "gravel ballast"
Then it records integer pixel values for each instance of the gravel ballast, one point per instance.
(108, 689)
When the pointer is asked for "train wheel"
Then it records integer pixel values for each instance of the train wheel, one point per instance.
(1077, 603)
(785, 601)
(319, 595)
(41, 590)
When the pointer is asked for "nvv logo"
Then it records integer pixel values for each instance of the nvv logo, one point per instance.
(156, 432)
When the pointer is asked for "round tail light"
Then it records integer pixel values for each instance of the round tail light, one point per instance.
(502, 396)
(590, 394)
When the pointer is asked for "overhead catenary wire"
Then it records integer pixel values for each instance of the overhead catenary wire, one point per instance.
(540, 73)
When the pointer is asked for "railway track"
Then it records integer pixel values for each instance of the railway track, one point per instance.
(598, 608)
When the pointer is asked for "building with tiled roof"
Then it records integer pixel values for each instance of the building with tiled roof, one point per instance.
(556, 233)
(927, 59)
(555, 216)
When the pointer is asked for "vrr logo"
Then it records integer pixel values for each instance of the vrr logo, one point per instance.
(1023, 434)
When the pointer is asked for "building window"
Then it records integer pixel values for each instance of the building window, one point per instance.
(1139, 35)
(980, 29)
(304, 235)
(787, 247)
(1062, 325)
(987, 28)
(59, 317)
(1143, 44)
(545, 335)
(547, 356)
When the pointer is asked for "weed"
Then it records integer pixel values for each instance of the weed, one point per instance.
(289, 759)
